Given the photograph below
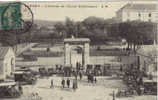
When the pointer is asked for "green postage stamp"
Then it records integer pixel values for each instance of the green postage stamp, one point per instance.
(10, 16)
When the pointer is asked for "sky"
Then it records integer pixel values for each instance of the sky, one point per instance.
(77, 11)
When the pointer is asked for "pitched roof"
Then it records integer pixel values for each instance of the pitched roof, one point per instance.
(3, 51)
(142, 7)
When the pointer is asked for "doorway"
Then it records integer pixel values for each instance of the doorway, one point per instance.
(76, 56)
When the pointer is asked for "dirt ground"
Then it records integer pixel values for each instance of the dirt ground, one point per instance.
(102, 90)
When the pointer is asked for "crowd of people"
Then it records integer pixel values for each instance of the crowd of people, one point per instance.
(66, 83)
(78, 72)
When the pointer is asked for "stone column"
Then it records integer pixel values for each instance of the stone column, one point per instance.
(86, 55)
(66, 54)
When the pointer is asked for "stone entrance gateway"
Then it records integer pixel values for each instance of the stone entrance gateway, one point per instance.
(72, 43)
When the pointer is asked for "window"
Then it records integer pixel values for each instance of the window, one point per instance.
(12, 61)
(149, 14)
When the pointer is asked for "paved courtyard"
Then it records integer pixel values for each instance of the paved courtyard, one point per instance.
(102, 90)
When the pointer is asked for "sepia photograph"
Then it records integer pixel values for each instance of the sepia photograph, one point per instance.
(78, 50)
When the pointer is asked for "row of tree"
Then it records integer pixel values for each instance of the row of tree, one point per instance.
(99, 30)
(92, 27)
(136, 33)
(15, 36)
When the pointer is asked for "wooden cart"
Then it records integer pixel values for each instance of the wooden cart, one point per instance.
(9, 90)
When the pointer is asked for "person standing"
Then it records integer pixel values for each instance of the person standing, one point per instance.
(75, 74)
(80, 74)
(75, 84)
(20, 88)
(92, 78)
(52, 85)
(63, 83)
(95, 80)
(68, 82)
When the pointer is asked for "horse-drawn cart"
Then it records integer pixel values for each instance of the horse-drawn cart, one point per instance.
(9, 90)
(24, 77)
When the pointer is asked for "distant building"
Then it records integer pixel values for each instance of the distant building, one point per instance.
(148, 59)
(7, 62)
(142, 12)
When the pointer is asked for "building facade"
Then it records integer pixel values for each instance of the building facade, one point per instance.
(142, 12)
(7, 62)
(148, 60)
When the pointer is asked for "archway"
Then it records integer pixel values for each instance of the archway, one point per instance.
(76, 56)
(78, 43)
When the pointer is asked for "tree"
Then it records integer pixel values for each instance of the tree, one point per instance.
(146, 32)
(113, 30)
(92, 27)
(13, 37)
(59, 30)
(94, 22)
(96, 28)
(136, 33)
(70, 27)
(66, 29)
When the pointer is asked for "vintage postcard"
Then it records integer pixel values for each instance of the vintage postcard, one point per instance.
(75, 50)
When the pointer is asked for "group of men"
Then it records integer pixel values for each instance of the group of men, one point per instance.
(67, 82)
